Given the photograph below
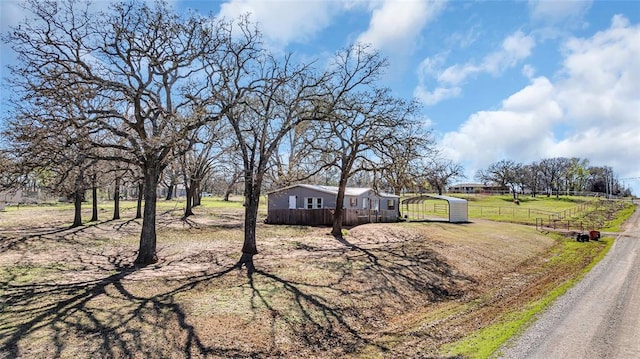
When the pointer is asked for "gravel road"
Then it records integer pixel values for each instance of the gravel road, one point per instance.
(599, 317)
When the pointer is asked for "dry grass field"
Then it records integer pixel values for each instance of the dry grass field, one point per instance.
(389, 290)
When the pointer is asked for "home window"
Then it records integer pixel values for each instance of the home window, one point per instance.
(391, 204)
(353, 202)
(313, 202)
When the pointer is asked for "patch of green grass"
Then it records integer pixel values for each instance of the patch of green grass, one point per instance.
(215, 202)
(588, 211)
(486, 341)
(32, 273)
(620, 217)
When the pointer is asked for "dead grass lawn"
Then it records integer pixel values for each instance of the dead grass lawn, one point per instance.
(392, 290)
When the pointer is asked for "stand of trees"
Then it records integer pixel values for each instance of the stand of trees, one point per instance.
(553, 176)
(144, 96)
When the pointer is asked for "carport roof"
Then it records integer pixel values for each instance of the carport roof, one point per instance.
(422, 198)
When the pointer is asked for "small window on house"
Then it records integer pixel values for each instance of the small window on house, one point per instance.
(313, 202)
(364, 203)
(391, 204)
(353, 202)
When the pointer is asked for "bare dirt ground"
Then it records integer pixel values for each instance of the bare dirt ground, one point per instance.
(598, 318)
(391, 290)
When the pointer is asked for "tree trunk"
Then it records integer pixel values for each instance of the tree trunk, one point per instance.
(336, 231)
(116, 200)
(234, 179)
(77, 201)
(94, 200)
(251, 202)
(77, 209)
(147, 250)
(188, 210)
(141, 187)
(196, 193)
(169, 192)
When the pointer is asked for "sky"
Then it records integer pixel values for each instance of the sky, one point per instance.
(515, 80)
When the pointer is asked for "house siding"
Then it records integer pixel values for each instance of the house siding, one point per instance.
(355, 213)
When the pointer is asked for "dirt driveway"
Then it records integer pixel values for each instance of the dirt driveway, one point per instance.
(599, 317)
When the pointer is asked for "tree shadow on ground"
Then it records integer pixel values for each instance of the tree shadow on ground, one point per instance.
(369, 286)
(119, 329)
(328, 317)
(320, 325)
(64, 233)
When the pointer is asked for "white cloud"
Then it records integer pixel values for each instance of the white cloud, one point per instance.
(515, 131)
(437, 95)
(556, 12)
(603, 77)
(397, 24)
(514, 49)
(529, 71)
(591, 110)
(284, 22)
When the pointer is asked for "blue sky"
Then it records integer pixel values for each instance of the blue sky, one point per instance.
(519, 80)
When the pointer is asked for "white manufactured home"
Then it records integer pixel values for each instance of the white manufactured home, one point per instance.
(314, 205)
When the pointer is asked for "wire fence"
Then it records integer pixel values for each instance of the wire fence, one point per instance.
(559, 224)
(487, 211)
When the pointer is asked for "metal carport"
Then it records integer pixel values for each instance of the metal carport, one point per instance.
(458, 207)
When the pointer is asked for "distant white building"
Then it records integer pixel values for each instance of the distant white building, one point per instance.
(476, 188)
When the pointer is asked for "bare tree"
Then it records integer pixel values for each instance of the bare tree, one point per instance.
(439, 172)
(207, 146)
(553, 170)
(170, 178)
(48, 144)
(358, 134)
(404, 157)
(503, 173)
(296, 159)
(149, 68)
(281, 97)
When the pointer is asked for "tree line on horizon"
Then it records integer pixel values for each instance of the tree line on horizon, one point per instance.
(553, 176)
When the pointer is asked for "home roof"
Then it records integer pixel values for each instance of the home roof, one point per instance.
(349, 191)
(473, 185)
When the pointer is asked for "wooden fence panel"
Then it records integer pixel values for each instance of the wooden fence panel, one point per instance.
(324, 216)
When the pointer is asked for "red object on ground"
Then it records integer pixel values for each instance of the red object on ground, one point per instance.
(594, 235)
